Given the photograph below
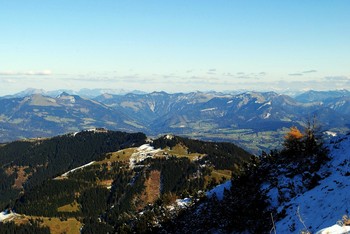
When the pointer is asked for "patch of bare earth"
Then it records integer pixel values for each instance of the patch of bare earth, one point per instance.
(9, 171)
(152, 190)
(22, 177)
(106, 183)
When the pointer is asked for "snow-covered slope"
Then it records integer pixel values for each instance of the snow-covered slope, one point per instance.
(326, 204)
(219, 190)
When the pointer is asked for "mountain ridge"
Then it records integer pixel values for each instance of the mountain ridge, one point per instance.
(249, 118)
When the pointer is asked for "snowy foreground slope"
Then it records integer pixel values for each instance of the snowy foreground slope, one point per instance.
(323, 206)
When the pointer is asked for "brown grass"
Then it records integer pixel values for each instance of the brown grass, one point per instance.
(105, 183)
(71, 226)
(9, 171)
(180, 150)
(217, 175)
(152, 189)
(119, 156)
(72, 207)
(21, 177)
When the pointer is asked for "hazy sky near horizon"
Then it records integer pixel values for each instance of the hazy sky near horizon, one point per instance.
(183, 45)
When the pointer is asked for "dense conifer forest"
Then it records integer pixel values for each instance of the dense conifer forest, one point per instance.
(47, 158)
(82, 194)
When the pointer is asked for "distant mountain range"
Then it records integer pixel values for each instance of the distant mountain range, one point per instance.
(86, 93)
(252, 119)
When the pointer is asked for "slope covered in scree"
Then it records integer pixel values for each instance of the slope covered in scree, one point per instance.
(326, 204)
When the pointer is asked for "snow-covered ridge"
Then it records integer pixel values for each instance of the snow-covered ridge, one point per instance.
(326, 204)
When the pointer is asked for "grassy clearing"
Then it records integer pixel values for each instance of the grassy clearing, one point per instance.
(219, 174)
(72, 207)
(181, 151)
(69, 226)
(119, 156)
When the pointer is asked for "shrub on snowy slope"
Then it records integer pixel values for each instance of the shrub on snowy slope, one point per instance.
(325, 204)
(264, 184)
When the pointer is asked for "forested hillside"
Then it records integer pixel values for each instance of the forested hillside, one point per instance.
(28, 163)
(105, 181)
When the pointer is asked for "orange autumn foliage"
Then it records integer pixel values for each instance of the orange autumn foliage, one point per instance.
(294, 133)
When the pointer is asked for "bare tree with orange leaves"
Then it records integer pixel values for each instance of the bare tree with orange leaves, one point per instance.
(298, 145)
(293, 142)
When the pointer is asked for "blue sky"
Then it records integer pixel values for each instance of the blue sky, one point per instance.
(174, 45)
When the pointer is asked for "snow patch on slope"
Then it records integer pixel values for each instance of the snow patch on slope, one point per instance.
(265, 104)
(219, 190)
(7, 216)
(142, 152)
(324, 205)
(77, 168)
(209, 109)
(329, 133)
(335, 229)
(183, 203)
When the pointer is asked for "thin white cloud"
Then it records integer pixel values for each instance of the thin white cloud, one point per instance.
(295, 74)
(26, 73)
(310, 71)
(9, 81)
(337, 78)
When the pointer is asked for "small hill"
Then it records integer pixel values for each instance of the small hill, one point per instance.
(106, 181)
(40, 159)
